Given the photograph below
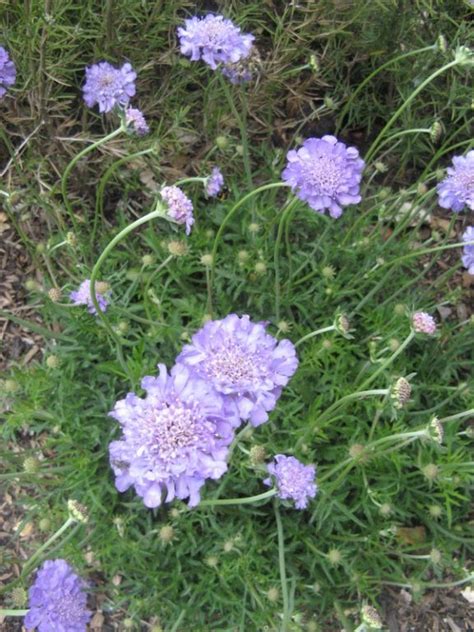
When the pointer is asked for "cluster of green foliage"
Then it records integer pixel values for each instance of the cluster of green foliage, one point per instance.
(389, 511)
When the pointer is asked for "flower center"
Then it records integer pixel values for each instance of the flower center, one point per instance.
(324, 173)
(233, 365)
(69, 609)
(106, 80)
(465, 180)
(173, 428)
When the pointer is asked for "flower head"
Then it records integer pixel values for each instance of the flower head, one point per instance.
(400, 393)
(7, 71)
(180, 207)
(214, 182)
(57, 600)
(242, 362)
(136, 121)
(423, 323)
(109, 86)
(245, 69)
(173, 439)
(215, 40)
(468, 250)
(294, 480)
(457, 190)
(82, 296)
(325, 173)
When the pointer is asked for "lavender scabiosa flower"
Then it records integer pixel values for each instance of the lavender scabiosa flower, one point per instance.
(109, 86)
(7, 71)
(136, 122)
(57, 600)
(294, 480)
(82, 296)
(180, 207)
(325, 173)
(244, 363)
(468, 250)
(173, 439)
(214, 182)
(214, 39)
(457, 190)
(423, 323)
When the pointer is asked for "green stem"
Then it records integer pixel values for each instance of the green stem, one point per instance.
(99, 200)
(32, 326)
(372, 75)
(95, 271)
(465, 413)
(226, 220)
(403, 107)
(189, 180)
(30, 563)
(238, 501)
(281, 564)
(388, 361)
(51, 470)
(427, 251)
(276, 259)
(12, 613)
(317, 332)
(72, 164)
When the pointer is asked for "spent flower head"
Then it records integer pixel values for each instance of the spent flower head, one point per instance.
(180, 207)
(82, 296)
(325, 173)
(57, 600)
(136, 122)
(457, 190)
(371, 617)
(214, 39)
(468, 250)
(400, 393)
(245, 69)
(423, 323)
(173, 440)
(293, 480)
(108, 86)
(243, 363)
(214, 183)
(7, 72)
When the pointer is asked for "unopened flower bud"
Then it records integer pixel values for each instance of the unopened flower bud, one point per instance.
(212, 561)
(436, 430)
(371, 618)
(177, 248)
(329, 103)
(254, 228)
(128, 623)
(283, 326)
(222, 142)
(44, 524)
(430, 471)
(31, 464)
(71, 240)
(385, 509)
(441, 43)
(260, 267)
(239, 149)
(53, 362)
(78, 511)
(10, 386)
(435, 556)
(381, 167)
(328, 272)
(435, 131)
(242, 256)
(334, 557)
(435, 511)
(54, 294)
(102, 287)
(206, 260)
(123, 326)
(273, 595)
(313, 63)
(400, 393)
(394, 344)
(228, 546)
(18, 597)
(40, 248)
(31, 285)
(400, 309)
(257, 454)
(206, 318)
(421, 189)
(342, 325)
(327, 344)
(148, 260)
(167, 534)
(357, 452)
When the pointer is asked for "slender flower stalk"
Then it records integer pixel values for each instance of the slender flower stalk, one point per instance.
(276, 259)
(282, 567)
(72, 164)
(12, 613)
(315, 333)
(249, 500)
(31, 562)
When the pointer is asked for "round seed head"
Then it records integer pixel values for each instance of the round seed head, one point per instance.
(222, 142)
(148, 260)
(54, 294)
(53, 362)
(257, 454)
(206, 260)
(430, 471)
(31, 464)
(243, 256)
(167, 534)
(328, 272)
(177, 248)
(371, 618)
(273, 595)
(260, 267)
(78, 511)
(11, 386)
(435, 556)
(254, 228)
(334, 557)
(401, 392)
(436, 430)
(19, 597)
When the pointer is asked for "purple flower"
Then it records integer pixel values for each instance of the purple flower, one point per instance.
(245, 69)
(293, 480)
(57, 600)
(215, 40)
(423, 323)
(242, 362)
(325, 173)
(468, 251)
(136, 121)
(180, 207)
(457, 190)
(173, 439)
(7, 71)
(214, 182)
(109, 86)
(82, 296)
